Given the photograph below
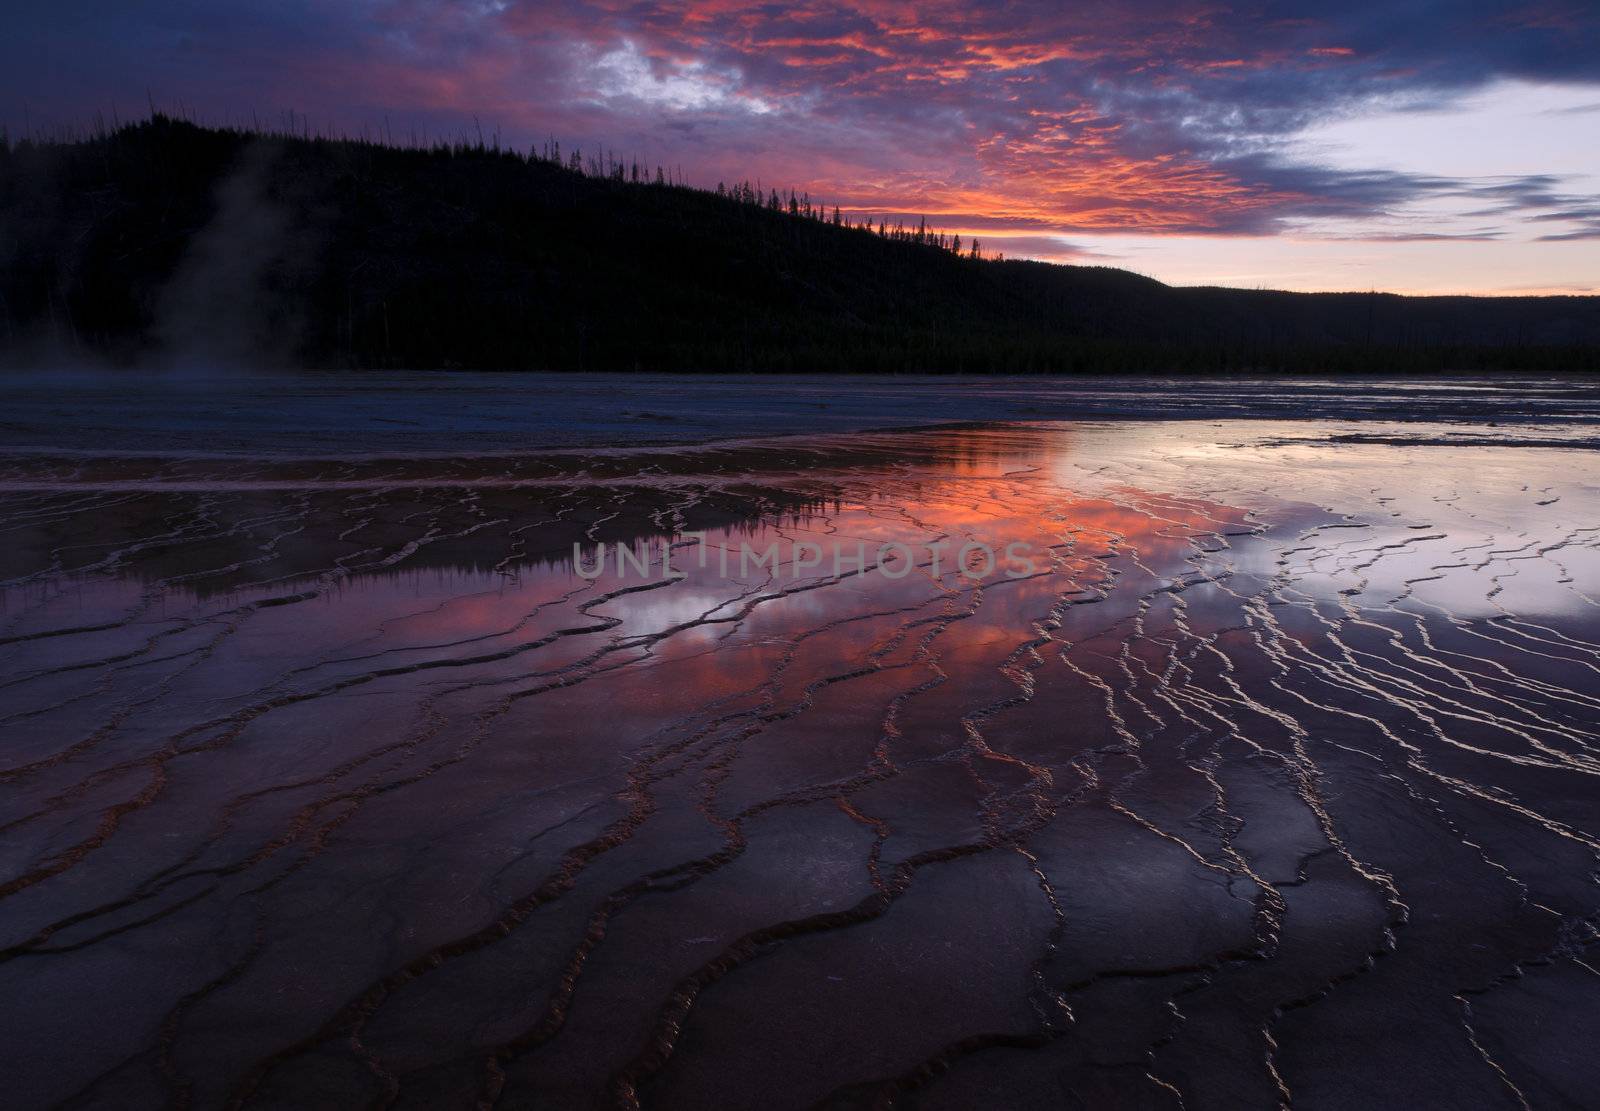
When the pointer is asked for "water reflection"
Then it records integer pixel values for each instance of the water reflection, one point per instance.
(338, 782)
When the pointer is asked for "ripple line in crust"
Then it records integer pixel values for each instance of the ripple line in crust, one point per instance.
(331, 782)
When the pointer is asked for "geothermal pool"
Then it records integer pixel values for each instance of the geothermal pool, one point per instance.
(1265, 772)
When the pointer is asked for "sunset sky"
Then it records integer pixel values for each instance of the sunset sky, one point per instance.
(1421, 146)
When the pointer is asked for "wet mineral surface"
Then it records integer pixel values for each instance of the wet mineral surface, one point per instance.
(1206, 765)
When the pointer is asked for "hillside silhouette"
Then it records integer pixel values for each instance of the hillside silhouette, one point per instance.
(172, 244)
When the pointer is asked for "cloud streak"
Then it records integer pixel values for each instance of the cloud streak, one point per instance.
(1043, 119)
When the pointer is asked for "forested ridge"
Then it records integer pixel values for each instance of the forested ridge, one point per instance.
(166, 242)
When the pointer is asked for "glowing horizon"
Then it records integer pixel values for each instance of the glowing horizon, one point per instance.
(1444, 149)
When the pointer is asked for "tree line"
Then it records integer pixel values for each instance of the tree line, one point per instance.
(607, 165)
(164, 242)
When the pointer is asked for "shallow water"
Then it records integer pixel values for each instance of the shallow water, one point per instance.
(1270, 777)
(445, 413)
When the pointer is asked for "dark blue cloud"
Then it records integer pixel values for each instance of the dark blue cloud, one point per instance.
(1140, 116)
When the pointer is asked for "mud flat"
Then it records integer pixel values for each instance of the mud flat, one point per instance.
(1266, 771)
